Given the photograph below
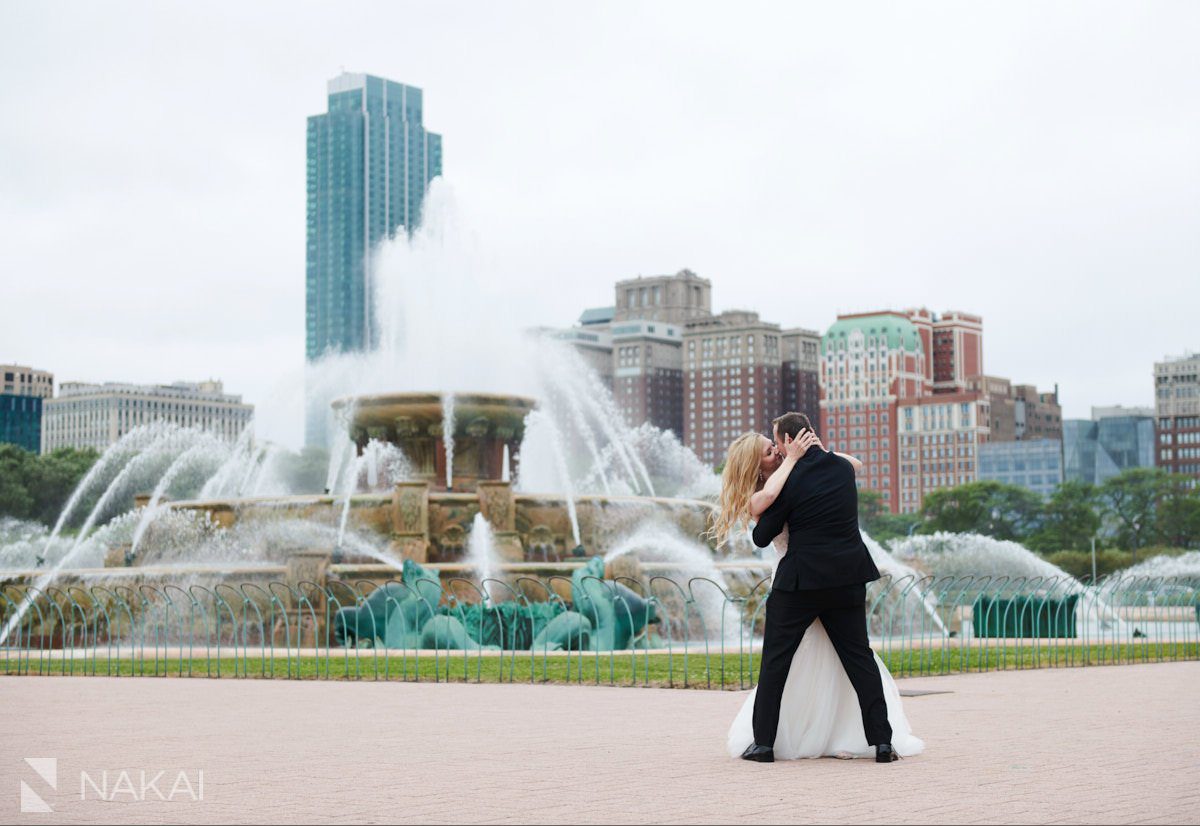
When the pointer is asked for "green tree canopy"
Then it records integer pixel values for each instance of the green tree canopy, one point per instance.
(878, 522)
(1069, 519)
(1132, 498)
(15, 500)
(992, 508)
(37, 487)
(1178, 514)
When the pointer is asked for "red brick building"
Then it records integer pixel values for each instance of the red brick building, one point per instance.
(732, 381)
(1177, 413)
(953, 345)
(801, 374)
(896, 393)
(870, 362)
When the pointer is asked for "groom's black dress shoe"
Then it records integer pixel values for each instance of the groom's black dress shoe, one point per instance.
(759, 754)
(884, 753)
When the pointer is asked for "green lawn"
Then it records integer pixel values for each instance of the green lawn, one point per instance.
(659, 670)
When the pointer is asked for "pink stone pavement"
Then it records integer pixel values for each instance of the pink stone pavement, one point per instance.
(1095, 745)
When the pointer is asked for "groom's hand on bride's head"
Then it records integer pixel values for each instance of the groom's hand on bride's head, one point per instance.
(795, 448)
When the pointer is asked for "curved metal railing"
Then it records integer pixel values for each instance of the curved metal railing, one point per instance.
(697, 632)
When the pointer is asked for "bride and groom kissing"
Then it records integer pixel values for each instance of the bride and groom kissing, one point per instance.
(822, 691)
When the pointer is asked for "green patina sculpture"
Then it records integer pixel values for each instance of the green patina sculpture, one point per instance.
(394, 613)
(616, 612)
(569, 631)
(606, 616)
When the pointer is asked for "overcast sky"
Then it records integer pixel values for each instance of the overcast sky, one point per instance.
(1036, 163)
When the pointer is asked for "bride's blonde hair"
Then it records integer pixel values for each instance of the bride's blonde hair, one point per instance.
(739, 481)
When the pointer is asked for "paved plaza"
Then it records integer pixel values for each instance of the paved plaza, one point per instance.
(1107, 744)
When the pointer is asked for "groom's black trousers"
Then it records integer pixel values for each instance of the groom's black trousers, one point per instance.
(842, 612)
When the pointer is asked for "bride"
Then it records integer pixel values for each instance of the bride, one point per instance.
(819, 714)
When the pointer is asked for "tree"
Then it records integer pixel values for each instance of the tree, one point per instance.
(870, 507)
(54, 476)
(1178, 522)
(893, 526)
(991, 508)
(1132, 498)
(15, 500)
(37, 487)
(1069, 519)
(878, 522)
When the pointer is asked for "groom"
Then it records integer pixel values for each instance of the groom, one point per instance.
(822, 576)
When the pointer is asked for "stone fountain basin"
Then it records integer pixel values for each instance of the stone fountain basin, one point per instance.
(483, 436)
(383, 409)
(427, 526)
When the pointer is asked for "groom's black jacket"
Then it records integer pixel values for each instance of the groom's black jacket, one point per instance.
(819, 504)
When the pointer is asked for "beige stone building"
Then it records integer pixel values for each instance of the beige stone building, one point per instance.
(25, 381)
(675, 299)
(97, 415)
(940, 437)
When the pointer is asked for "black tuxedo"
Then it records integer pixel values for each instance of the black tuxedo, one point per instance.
(822, 576)
(819, 505)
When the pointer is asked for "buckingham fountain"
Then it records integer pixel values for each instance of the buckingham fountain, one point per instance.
(482, 489)
(422, 522)
(493, 466)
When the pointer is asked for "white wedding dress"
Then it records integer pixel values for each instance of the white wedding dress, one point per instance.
(819, 715)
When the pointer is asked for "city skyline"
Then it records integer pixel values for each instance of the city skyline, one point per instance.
(1041, 186)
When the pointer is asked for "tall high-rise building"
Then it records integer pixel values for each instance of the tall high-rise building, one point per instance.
(870, 362)
(896, 392)
(940, 439)
(801, 373)
(953, 347)
(732, 381)
(647, 329)
(1177, 408)
(370, 161)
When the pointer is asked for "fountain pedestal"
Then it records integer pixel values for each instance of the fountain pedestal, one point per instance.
(410, 521)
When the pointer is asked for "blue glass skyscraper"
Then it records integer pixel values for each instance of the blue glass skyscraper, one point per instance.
(370, 161)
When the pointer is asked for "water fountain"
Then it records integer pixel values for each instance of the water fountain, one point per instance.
(497, 455)
(460, 452)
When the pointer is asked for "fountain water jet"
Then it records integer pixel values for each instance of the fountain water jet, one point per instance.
(204, 450)
(482, 556)
(448, 437)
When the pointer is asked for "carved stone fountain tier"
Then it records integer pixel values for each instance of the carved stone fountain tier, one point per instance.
(484, 425)
(433, 527)
(425, 522)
